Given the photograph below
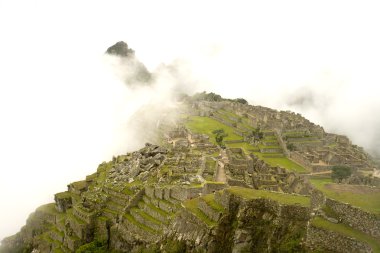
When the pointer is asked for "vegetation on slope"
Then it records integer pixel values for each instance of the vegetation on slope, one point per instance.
(286, 199)
(207, 125)
(362, 196)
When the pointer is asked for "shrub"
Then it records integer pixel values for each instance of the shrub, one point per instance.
(340, 172)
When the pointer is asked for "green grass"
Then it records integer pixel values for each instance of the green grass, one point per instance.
(127, 191)
(102, 218)
(273, 161)
(245, 146)
(55, 229)
(294, 134)
(282, 162)
(205, 125)
(70, 214)
(214, 182)
(145, 216)
(210, 164)
(194, 185)
(132, 220)
(79, 184)
(134, 183)
(270, 138)
(192, 206)
(156, 209)
(269, 147)
(282, 198)
(210, 200)
(107, 210)
(63, 195)
(215, 154)
(227, 115)
(369, 201)
(347, 231)
(48, 208)
(305, 141)
(91, 177)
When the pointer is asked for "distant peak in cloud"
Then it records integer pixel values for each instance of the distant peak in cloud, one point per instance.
(127, 67)
(120, 49)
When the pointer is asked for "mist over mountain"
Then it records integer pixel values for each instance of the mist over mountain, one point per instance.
(65, 106)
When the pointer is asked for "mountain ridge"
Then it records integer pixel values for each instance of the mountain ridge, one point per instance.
(168, 197)
(215, 175)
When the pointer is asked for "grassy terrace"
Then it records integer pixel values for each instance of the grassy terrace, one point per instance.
(270, 138)
(145, 215)
(282, 198)
(50, 209)
(245, 146)
(294, 134)
(210, 200)
(63, 195)
(69, 214)
(269, 147)
(273, 161)
(304, 140)
(132, 220)
(206, 125)
(156, 209)
(364, 197)
(347, 231)
(192, 206)
(210, 164)
(282, 162)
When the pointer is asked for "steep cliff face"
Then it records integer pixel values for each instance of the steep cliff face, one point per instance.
(155, 197)
(246, 222)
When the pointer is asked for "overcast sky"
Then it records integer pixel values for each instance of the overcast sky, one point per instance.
(63, 111)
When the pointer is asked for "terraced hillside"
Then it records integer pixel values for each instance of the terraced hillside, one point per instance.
(250, 192)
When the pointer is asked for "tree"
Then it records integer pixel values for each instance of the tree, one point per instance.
(291, 146)
(256, 134)
(241, 101)
(219, 136)
(338, 173)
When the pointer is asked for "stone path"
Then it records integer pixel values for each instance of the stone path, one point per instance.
(319, 173)
(220, 173)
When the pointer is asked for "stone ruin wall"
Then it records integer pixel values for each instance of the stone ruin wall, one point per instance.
(356, 218)
(301, 159)
(318, 238)
(286, 181)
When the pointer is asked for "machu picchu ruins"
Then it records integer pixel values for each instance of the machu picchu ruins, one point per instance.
(263, 190)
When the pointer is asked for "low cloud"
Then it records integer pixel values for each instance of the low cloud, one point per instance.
(64, 111)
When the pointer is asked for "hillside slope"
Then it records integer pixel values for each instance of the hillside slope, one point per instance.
(264, 188)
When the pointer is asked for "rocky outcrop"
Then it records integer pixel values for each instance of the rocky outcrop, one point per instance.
(120, 49)
(129, 68)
